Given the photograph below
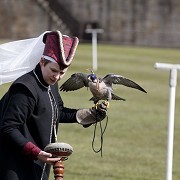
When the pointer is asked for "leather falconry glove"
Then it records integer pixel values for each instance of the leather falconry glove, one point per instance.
(87, 117)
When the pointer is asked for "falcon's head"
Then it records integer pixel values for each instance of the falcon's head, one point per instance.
(92, 78)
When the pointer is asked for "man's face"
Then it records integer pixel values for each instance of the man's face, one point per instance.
(51, 72)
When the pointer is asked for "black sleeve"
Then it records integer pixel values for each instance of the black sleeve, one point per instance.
(68, 115)
(19, 107)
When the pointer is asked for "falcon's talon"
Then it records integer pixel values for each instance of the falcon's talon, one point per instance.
(96, 105)
(107, 104)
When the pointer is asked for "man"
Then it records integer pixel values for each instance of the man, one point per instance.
(32, 109)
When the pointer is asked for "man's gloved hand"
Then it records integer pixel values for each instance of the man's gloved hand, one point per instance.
(87, 117)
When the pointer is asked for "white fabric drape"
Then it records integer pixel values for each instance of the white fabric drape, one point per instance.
(19, 57)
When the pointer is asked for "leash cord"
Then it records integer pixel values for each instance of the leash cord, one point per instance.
(102, 131)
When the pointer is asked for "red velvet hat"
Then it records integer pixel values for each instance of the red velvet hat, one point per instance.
(59, 48)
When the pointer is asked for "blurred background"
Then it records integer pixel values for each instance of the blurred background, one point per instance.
(130, 22)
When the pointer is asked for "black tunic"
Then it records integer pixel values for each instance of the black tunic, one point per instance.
(27, 114)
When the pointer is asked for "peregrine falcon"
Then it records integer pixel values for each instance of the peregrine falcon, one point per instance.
(101, 88)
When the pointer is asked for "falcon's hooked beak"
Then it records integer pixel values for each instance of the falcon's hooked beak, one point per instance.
(92, 78)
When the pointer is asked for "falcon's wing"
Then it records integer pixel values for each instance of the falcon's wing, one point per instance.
(76, 81)
(110, 79)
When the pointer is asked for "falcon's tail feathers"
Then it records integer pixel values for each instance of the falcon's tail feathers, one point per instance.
(92, 99)
(115, 97)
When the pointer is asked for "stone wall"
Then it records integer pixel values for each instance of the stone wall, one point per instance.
(22, 19)
(134, 22)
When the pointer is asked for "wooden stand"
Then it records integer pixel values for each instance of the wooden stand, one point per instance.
(58, 170)
(62, 150)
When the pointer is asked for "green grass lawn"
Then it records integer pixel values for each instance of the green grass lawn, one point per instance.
(135, 141)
